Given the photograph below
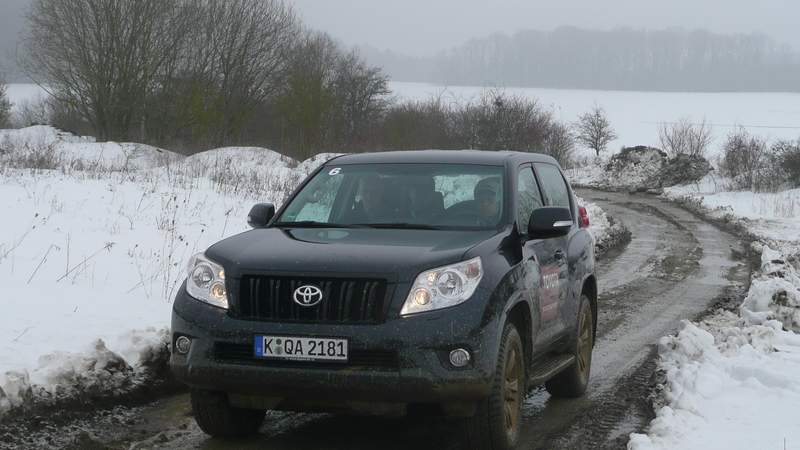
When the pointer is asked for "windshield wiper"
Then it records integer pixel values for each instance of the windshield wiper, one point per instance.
(312, 224)
(401, 225)
(316, 224)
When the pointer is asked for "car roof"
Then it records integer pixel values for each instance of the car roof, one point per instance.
(443, 156)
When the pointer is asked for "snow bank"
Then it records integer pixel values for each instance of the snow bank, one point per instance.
(65, 150)
(775, 293)
(731, 381)
(607, 232)
(83, 261)
(728, 386)
(91, 257)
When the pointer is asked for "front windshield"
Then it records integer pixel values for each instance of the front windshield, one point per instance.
(447, 196)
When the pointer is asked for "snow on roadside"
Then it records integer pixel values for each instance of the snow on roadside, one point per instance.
(771, 216)
(90, 258)
(86, 260)
(606, 231)
(731, 380)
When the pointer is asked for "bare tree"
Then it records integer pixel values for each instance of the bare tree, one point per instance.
(306, 105)
(361, 92)
(241, 49)
(102, 57)
(685, 137)
(5, 105)
(788, 156)
(594, 131)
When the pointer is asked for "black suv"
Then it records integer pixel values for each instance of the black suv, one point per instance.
(453, 280)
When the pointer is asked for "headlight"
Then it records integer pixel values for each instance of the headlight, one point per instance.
(443, 287)
(206, 281)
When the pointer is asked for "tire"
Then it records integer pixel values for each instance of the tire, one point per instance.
(572, 382)
(496, 423)
(216, 417)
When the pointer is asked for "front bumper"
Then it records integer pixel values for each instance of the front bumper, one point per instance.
(413, 365)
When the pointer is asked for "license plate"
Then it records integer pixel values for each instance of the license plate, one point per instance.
(301, 348)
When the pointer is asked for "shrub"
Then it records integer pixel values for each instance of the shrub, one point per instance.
(501, 122)
(418, 125)
(743, 158)
(5, 106)
(685, 138)
(30, 156)
(560, 144)
(787, 156)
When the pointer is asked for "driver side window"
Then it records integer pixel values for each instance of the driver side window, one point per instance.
(528, 197)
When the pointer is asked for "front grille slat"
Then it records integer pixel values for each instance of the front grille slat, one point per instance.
(271, 298)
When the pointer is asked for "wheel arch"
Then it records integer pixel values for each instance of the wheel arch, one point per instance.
(520, 315)
(589, 289)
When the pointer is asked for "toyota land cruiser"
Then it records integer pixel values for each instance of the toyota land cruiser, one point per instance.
(453, 280)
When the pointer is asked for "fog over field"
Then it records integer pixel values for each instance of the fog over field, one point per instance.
(420, 27)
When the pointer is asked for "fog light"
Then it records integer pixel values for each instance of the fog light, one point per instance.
(459, 357)
(183, 343)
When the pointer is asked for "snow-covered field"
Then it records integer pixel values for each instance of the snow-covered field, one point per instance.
(636, 116)
(92, 251)
(731, 380)
(774, 216)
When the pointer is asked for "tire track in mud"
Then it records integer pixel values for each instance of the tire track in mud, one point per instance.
(673, 268)
(691, 265)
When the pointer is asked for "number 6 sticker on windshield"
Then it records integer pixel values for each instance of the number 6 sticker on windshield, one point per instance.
(335, 171)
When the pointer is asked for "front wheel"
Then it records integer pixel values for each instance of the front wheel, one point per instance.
(572, 381)
(496, 423)
(216, 417)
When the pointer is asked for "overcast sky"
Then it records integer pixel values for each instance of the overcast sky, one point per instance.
(422, 27)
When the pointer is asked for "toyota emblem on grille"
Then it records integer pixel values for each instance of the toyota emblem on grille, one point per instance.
(307, 295)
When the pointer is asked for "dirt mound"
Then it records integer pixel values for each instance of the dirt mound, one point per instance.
(636, 167)
(643, 168)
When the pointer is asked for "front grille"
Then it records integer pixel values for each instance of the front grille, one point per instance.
(244, 354)
(343, 300)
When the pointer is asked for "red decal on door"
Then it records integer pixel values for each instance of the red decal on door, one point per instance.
(548, 292)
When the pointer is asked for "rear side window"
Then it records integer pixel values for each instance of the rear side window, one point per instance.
(529, 197)
(553, 185)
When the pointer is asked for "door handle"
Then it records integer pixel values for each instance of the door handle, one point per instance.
(559, 255)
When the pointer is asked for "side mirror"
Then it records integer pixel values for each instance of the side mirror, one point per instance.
(260, 215)
(549, 222)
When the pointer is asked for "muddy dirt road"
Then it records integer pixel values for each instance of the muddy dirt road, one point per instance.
(675, 267)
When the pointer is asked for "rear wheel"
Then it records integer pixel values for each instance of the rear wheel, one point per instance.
(496, 423)
(572, 381)
(218, 418)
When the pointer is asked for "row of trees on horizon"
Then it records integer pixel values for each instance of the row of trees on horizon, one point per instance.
(620, 59)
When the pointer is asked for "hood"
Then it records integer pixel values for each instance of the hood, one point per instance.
(395, 255)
